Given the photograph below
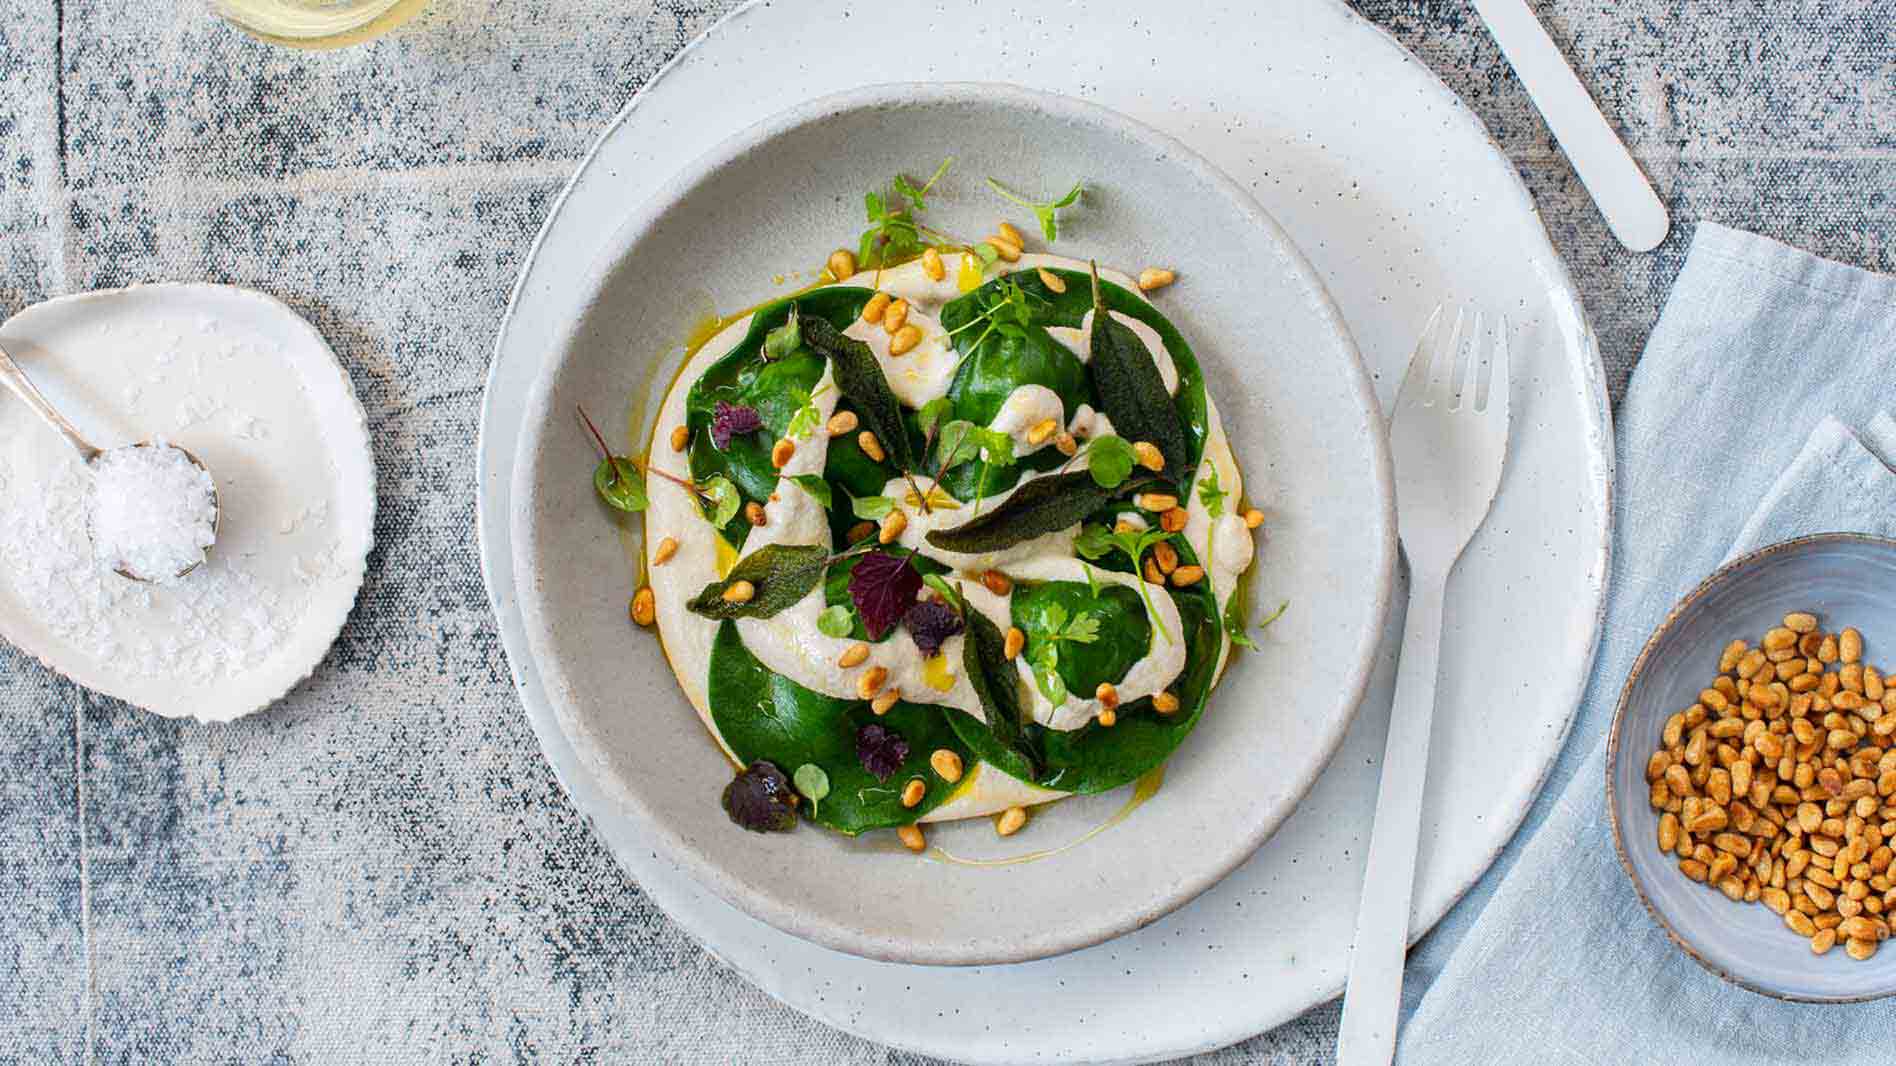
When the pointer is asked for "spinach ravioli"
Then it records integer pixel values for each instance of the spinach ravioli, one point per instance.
(946, 542)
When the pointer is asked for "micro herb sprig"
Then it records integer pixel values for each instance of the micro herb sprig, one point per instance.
(620, 481)
(893, 233)
(1096, 542)
(1234, 623)
(807, 418)
(1048, 212)
(1081, 628)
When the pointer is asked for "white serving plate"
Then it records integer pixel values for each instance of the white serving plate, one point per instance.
(246, 384)
(1292, 395)
(1396, 193)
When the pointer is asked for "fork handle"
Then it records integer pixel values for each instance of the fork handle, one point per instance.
(1367, 1035)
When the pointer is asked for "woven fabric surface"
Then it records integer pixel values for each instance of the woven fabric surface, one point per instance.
(383, 867)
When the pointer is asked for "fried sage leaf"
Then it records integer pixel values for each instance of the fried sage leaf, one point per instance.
(984, 661)
(1131, 391)
(780, 574)
(860, 379)
(1041, 506)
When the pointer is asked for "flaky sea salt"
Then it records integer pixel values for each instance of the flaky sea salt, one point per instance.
(154, 511)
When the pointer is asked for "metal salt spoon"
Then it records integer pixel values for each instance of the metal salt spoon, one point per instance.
(1450, 439)
(16, 380)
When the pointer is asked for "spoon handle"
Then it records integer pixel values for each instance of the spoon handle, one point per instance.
(16, 380)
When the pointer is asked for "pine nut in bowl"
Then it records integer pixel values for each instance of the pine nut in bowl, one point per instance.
(1751, 771)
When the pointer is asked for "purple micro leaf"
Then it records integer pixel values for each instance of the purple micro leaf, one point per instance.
(931, 623)
(730, 420)
(883, 586)
(759, 799)
(881, 750)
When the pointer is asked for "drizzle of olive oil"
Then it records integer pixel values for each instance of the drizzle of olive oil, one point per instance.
(1144, 789)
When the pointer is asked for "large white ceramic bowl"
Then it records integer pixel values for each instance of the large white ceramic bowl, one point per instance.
(1278, 362)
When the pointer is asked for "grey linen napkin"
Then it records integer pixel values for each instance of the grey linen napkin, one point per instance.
(1756, 414)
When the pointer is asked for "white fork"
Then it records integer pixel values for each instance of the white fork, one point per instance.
(1450, 442)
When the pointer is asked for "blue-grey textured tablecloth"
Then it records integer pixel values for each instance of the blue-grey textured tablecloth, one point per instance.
(383, 868)
(1563, 964)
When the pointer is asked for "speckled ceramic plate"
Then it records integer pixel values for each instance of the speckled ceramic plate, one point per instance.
(1846, 579)
(245, 383)
(1296, 404)
(1393, 189)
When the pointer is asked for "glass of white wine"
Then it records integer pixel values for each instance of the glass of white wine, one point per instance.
(317, 23)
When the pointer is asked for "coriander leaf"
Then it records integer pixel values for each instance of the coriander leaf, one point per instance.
(818, 489)
(1047, 213)
(620, 484)
(813, 783)
(779, 575)
(836, 620)
(871, 508)
(718, 500)
(1133, 545)
(964, 442)
(808, 417)
(1093, 542)
(1083, 629)
(1110, 460)
(784, 339)
(1210, 494)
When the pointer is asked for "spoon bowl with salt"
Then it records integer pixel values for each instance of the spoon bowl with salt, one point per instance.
(155, 508)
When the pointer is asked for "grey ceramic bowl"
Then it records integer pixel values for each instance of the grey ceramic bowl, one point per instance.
(1296, 402)
(1847, 579)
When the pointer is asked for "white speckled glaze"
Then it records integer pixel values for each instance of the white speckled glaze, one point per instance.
(1847, 579)
(1295, 400)
(1395, 192)
(250, 350)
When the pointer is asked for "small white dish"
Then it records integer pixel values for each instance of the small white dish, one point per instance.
(1296, 404)
(246, 384)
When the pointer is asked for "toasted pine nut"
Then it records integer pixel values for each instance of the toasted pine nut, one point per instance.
(1187, 575)
(1008, 231)
(997, 583)
(1010, 821)
(1153, 574)
(1052, 281)
(1800, 622)
(1006, 249)
(878, 304)
(842, 264)
(754, 511)
(1175, 520)
(1043, 431)
(1164, 702)
(1149, 455)
(864, 528)
(1107, 695)
(892, 527)
(840, 423)
(853, 656)
(911, 837)
(740, 592)
(1253, 518)
(665, 550)
(871, 682)
(895, 317)
(905, 339)
(1067, 445)
(1109, 718)
(1823, 941)
(1014, 641)
(1156, 501)
(932, 266)
(1155, 278)
(681, 436)
(644, 606)
(881, 704)
(781, 452)
(870, 446)
(946, 764)
(1166, 556)
(913, 792)
(1850, 646)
